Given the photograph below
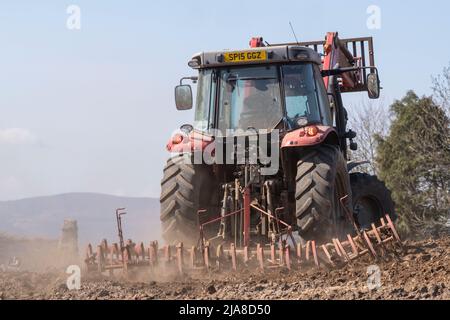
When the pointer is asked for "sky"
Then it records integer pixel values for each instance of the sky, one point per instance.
(91, 109)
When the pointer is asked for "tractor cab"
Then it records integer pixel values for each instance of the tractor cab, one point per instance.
(258, 89)
(283, 86)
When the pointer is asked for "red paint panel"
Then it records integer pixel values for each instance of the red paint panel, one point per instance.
(297, 138)
(193, 142)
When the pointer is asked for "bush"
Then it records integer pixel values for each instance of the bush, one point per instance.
(414, 161)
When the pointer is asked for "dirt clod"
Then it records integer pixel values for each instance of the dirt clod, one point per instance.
(211, 289)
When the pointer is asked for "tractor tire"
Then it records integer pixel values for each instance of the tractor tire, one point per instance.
(185, 189)
(322, 180)
(371, 200)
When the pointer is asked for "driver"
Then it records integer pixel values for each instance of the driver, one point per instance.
(260, 106)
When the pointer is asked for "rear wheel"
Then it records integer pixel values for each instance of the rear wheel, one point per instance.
(371, 199)
(185, 189)
(322, 180)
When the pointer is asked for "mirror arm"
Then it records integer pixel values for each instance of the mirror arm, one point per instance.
(338, 71)
(193, 78)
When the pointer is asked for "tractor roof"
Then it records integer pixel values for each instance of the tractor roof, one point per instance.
(252, 56)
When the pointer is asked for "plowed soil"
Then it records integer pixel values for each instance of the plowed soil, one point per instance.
(421, 272)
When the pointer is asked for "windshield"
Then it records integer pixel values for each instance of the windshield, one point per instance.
(249, 98)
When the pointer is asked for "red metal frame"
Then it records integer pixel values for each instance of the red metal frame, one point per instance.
(247, 206)
(256, 42)
(247, 201)
(119, 213)
(349, 52)
(328, 59)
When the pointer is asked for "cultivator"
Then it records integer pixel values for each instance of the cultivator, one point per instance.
(379, 242)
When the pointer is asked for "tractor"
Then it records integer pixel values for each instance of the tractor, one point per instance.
(286, 100)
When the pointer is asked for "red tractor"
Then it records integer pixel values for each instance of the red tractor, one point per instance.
(287, 100)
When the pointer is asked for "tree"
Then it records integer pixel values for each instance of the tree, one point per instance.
(368, 120)
(414, 161)
(441, 89)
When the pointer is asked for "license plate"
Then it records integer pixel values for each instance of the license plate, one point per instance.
(245, 56)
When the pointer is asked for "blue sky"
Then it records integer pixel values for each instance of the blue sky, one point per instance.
(92, 109)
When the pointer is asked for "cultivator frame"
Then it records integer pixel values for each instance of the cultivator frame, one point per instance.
(376, 243)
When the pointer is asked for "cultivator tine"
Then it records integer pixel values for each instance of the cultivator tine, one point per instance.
(220, 256)
(126, 259)
(246, 255)
(180, 254)
(142, 248)
(380, 243)
(104, 245)
(100, 258)
(206, 256)
(260, 256)
(166, 254)
(375, 232)
(115, 254)
(314, 252)
(90, 257)
(233, 256)
(327, 254)
(193, 257)
(89, 251)
(272, 253)
(307, 250)
(394, 231)
(153, 253)
(110, 258)
(353, 245)
(342, 250)
(288, 256)
(299, 253)
(369, 245)
(336, 247)
(281, 254)
(105, 254)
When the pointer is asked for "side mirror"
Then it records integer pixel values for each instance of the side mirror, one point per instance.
(183, 97)
(373, 85)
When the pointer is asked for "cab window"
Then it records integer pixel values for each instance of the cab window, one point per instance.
(302, 106)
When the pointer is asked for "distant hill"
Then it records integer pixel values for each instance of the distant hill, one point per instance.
(95, 213)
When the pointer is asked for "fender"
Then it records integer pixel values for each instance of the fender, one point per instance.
(308, 136)
(354, 164)
(182, 143)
